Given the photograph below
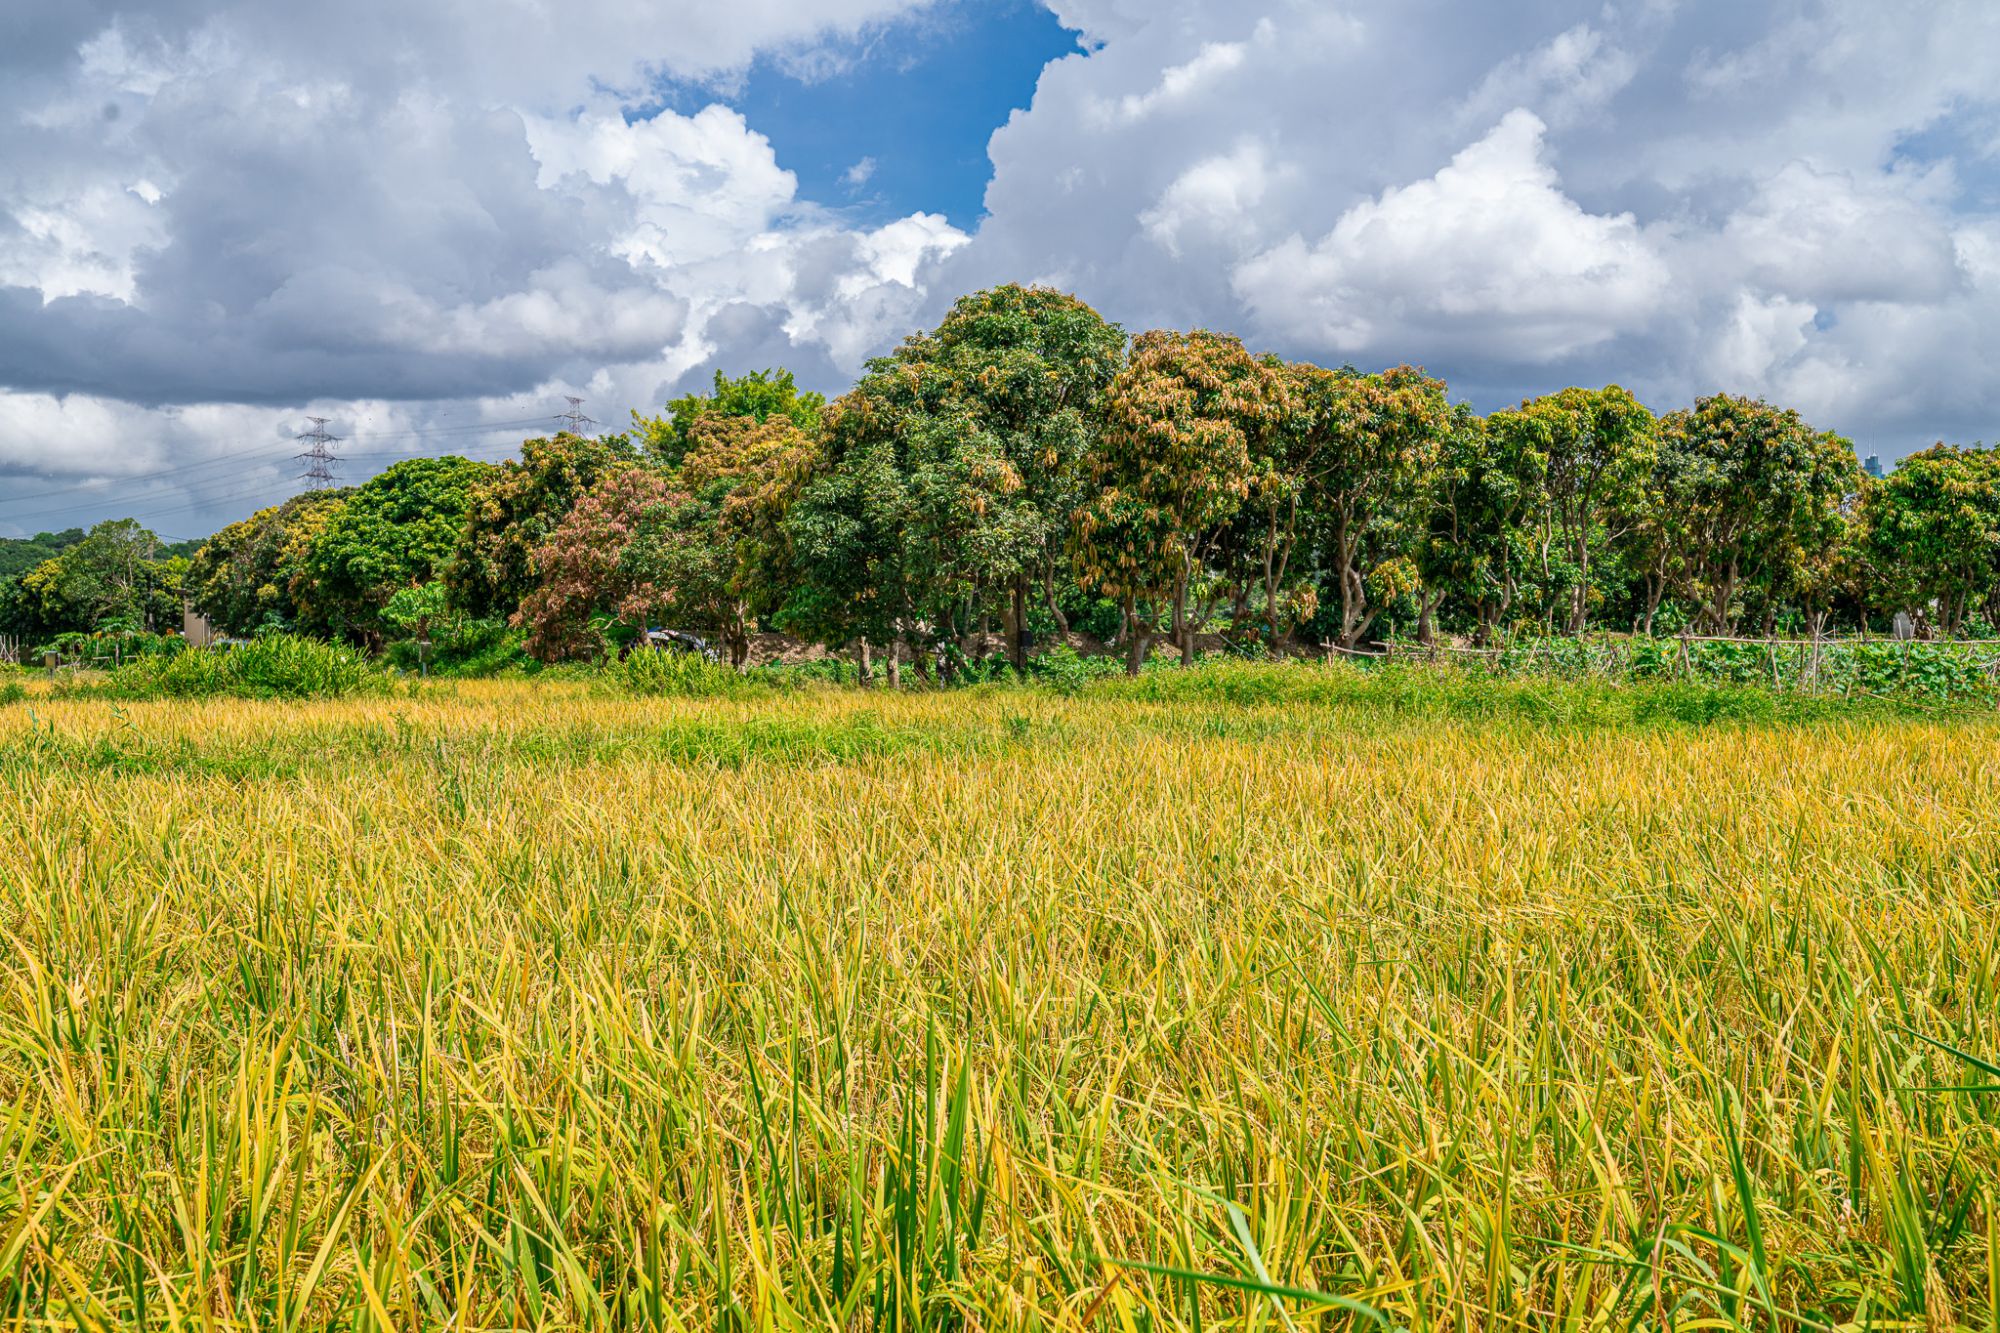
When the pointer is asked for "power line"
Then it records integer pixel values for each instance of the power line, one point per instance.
(196, 506)
(470, 426)
(320, 460)
(262, 453)
(149, 494)
(227, 485)
(234, 490)
(255, 490)
(574, 419)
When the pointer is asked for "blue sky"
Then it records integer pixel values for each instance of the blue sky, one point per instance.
(896, 120)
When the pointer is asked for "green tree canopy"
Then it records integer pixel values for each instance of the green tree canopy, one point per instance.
(394, 532)
(515, 507)
(967, 445)
(1357, 451)
(242, 577)
(1473, 503)
(1173, 467)
(18, 555)
(1931, 534)
(759, 395)
(1586, 452)
(114, 578)
(743, 476)
(1760, 498)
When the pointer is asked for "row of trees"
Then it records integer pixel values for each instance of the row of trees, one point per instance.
(117, 577)
(1026, 469)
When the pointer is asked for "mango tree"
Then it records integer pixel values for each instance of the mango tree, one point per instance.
(1585, 453)
(1931, 534)
(1762, 498)
(513, 508)
(1361, 450)
(394, 532)
(1172, 468)
(242, 578)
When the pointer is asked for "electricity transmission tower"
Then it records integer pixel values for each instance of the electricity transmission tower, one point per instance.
(574, 420)
(320, 460)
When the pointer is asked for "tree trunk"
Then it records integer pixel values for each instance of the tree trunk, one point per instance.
(896, 662)
(1177, 620)
(864, 668)
(1277, 555)
(1135, 638)
(1185, 625)
(1017, 626)
(1273, 576)
(1720, 621)
(1427, 605)
(737, 636)
(1579, 597)
(1355, 618)
(1055, 608)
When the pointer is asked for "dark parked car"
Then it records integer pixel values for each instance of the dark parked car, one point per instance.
(675, 641)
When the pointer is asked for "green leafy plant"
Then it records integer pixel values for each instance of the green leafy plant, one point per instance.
(1067, 671)
(689, 675)
(274, 666)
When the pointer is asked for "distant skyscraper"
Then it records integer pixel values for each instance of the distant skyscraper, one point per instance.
(1873, 466)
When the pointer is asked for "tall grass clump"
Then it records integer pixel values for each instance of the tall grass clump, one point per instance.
(656, 673)
(466, 649)
(274, 666)
(1066, 671)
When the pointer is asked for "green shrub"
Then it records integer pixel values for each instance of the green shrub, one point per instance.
(1233, 680)
(275, 666)
(1702, 703)
(1066, 671)
(106, 648)
(465, 649)
(652, 672)
(488, 654)
(12, 692)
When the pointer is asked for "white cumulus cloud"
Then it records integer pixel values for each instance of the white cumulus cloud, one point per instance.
(1489, 254)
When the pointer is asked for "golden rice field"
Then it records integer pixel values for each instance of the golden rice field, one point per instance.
(516, 1005)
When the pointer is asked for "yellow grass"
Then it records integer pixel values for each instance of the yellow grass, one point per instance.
(514, 1005)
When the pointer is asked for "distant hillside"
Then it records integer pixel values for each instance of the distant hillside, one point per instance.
(18, 555)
